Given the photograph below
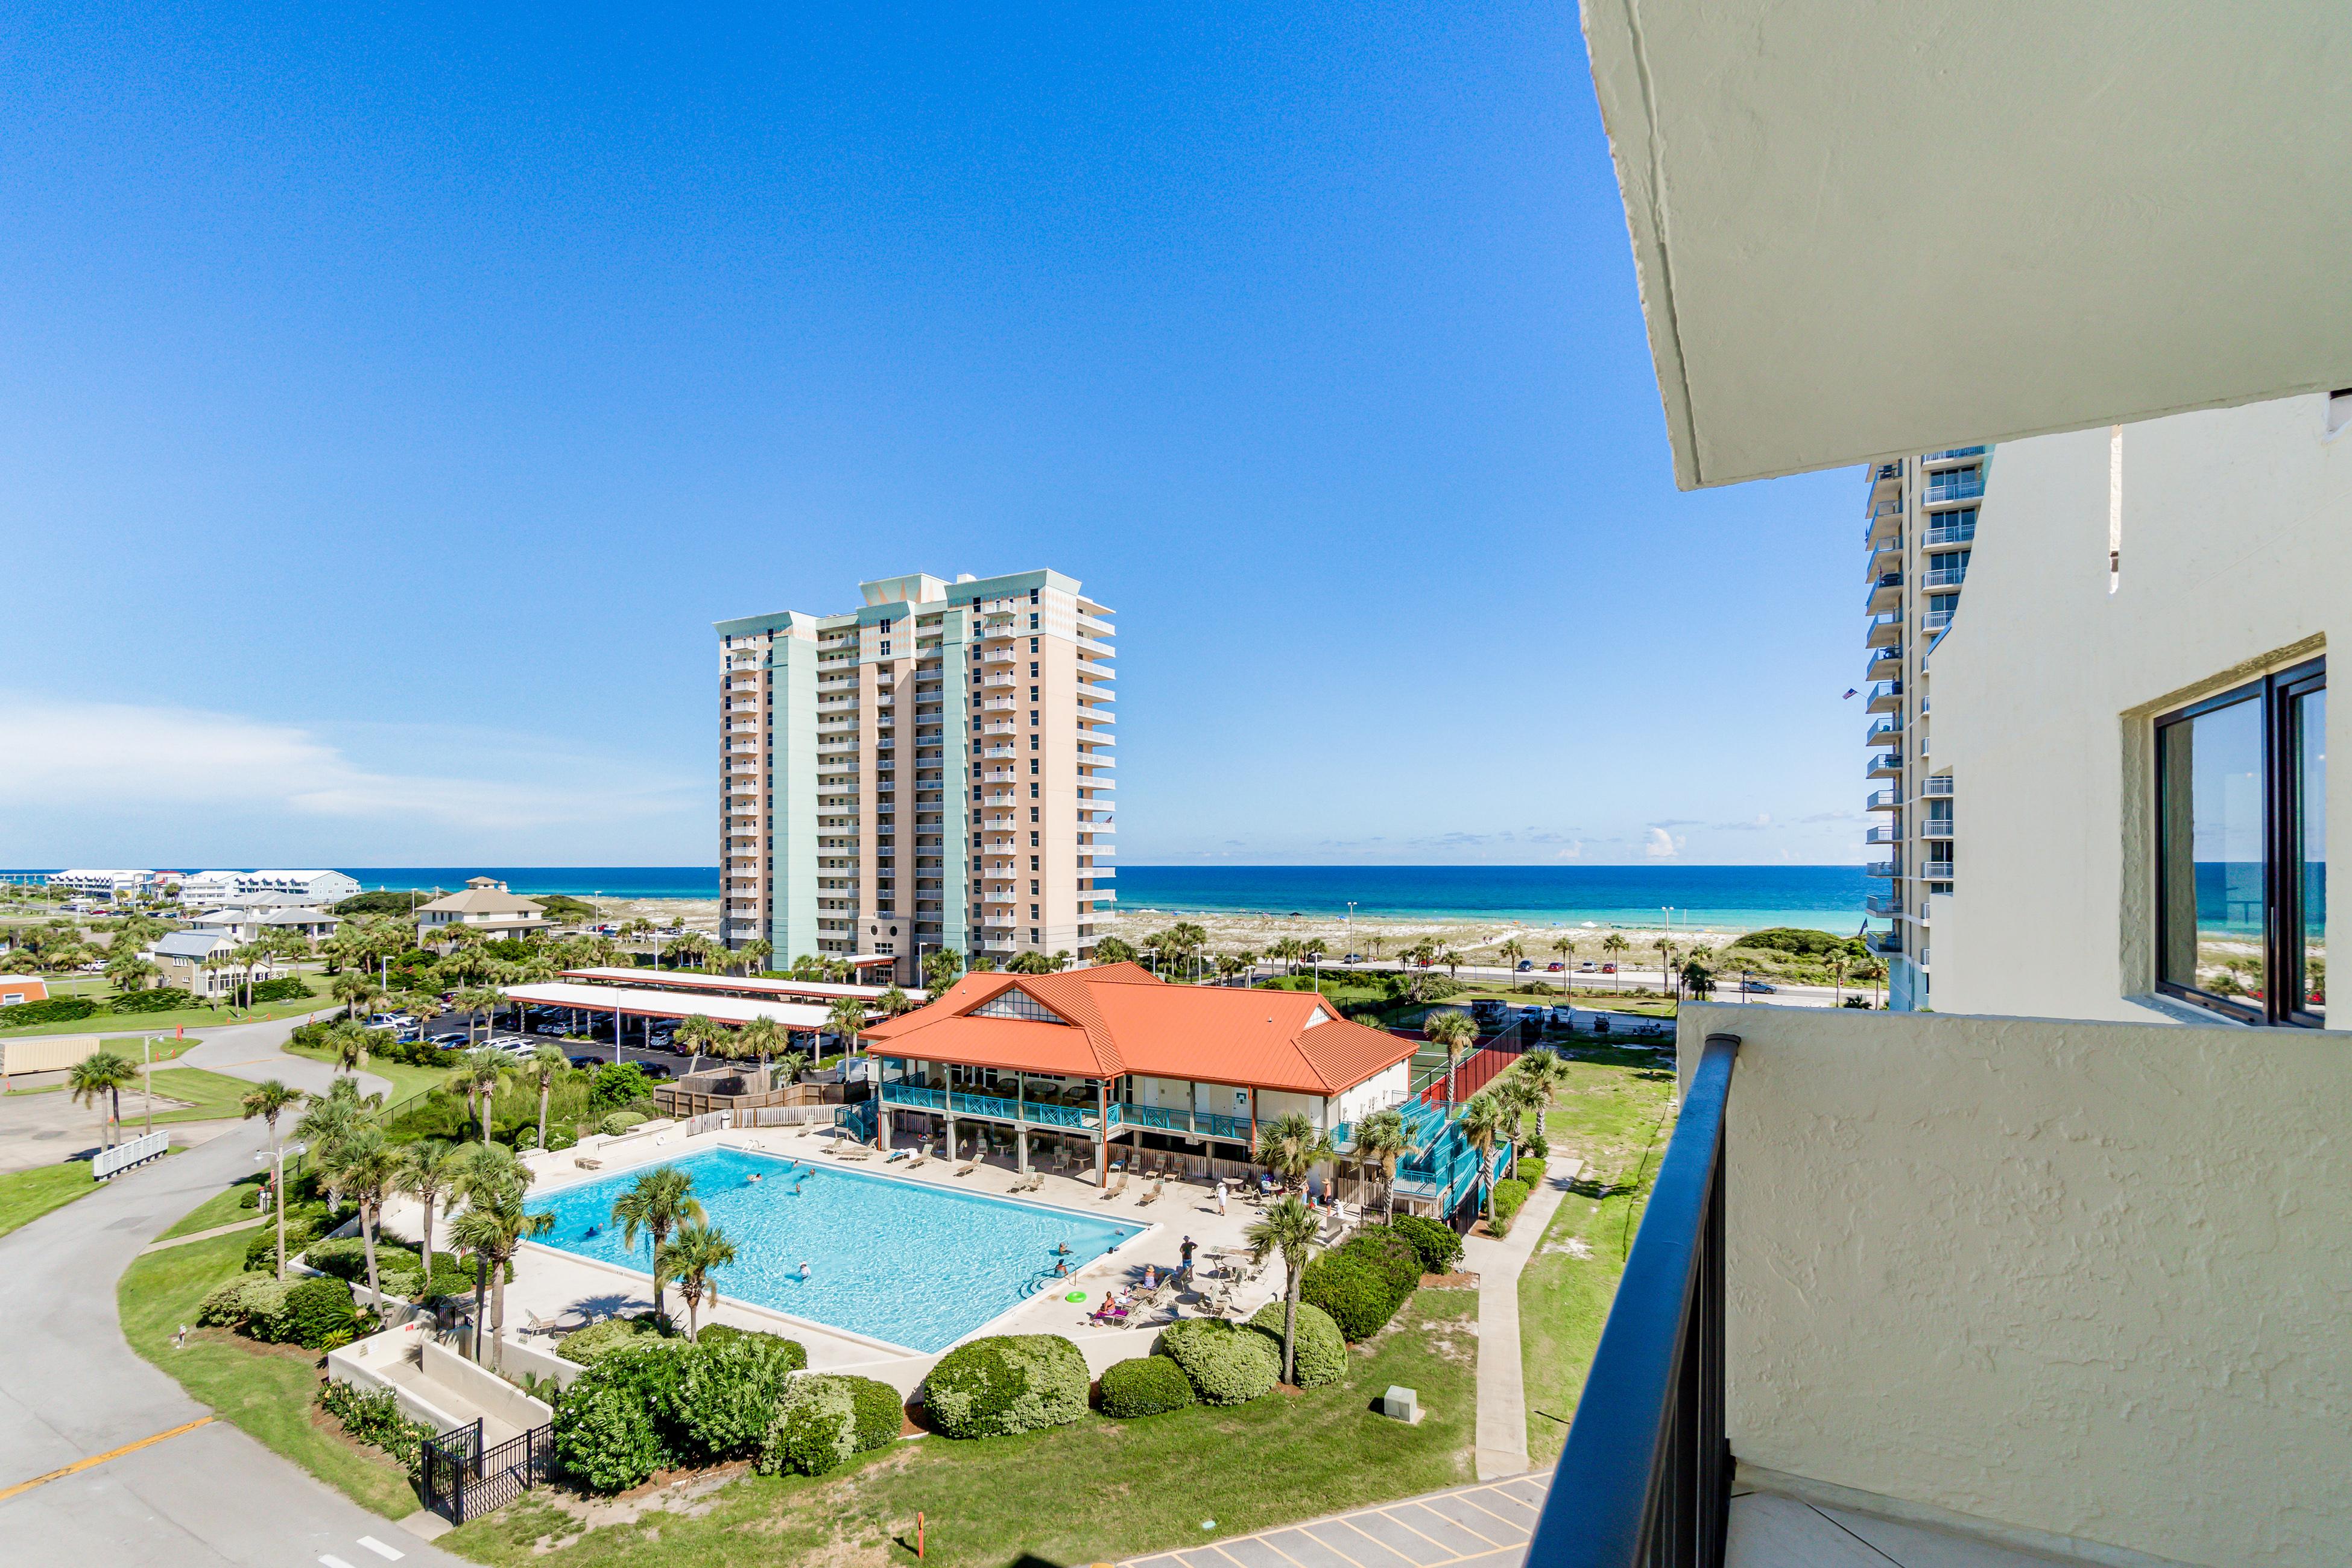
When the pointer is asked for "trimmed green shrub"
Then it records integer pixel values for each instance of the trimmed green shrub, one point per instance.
(1145, 1385)
(713, 1335)
(728, 1393)
(250, 1198)
(1318, 1351)
(881, 1410)
(242, 1300)
(606, 1437)
(56, 1010)
(1006, 1384)
(1358, 1298)
(285, 988)
(598, 1339)
(1391, 1255)
(1439, 1248)
(1226, 1364)
(815, 1429)
(372, 1415)
(305, 1224)
(1508, 1197)
(320, 1314)
(618, 1422)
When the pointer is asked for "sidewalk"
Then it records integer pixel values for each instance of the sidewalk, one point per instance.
(1487, 1524)
(1502, 1441)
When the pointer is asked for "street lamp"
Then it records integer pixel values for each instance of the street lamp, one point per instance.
(277, 1158)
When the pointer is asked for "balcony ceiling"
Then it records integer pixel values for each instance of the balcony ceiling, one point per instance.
(1866, 230)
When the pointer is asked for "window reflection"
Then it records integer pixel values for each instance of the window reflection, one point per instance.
(2211, 843)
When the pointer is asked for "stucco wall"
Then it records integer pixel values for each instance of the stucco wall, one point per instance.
(2083, 1279)
(2237, 554)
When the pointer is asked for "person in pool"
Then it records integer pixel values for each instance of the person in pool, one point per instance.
(805, 1269)
(1061, 1269)
(752, 1178)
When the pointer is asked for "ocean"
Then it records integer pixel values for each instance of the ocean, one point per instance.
(1713, 898)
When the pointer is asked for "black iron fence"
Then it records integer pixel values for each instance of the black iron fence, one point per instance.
(463, 1481)
(1645, 1479)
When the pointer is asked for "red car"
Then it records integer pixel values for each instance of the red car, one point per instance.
(1554, 967)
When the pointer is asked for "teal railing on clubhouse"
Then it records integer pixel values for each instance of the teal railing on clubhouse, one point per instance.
(1046, 1113)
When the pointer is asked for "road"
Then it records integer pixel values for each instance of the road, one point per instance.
(1633, 980)
(71, 1388)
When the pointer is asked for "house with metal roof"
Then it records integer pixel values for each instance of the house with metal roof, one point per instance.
(1123, 1063)
(485, 906)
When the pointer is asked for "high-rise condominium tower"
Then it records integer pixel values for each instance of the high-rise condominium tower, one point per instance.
(930, 770)
(1919, 523)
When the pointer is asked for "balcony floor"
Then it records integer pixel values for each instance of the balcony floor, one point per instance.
(1483, 1526)
(1769, 1530)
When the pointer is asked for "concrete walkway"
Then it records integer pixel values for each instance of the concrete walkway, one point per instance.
(1488, 1525)
(71, 1390)
(1502, 1440)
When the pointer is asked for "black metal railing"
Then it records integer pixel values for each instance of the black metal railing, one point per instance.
(1645, 1479)
(462, 1480)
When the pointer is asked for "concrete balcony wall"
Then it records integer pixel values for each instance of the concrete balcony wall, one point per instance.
(2076, 1285)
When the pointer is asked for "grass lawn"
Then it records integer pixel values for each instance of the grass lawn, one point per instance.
(266, 1390)
(1612, 1114)
(136, 1023)
(1096, 1491)
(27, 1195)
(405, 1080)
(222, 1209)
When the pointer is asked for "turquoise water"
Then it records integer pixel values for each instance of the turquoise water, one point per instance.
(905, 1262)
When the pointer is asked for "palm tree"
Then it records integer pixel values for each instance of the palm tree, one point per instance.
(657, 1203)
(249, 957)
(894, 1001)
(1382, 1139)
(1111, 950)
(356, 989)
(1450, 1029)
(481, 1073)
(547, 1059)
(1564, 949)
(755, 953)
(349, 1042)
(1544, 1069)
(128, 968)
(1483, 1120)
(845, 1018)
(702, 1035)
(1290, 1228)
(493, 1228)
(1513, 951)
(1698, 978)
(428, 1168)
(1837, 978)
(759, 1040)
(689, 1257)
(1291, 1146)
(365, 1170)
(99, 1078)
(1614, 944)
(1452, 962)
(267, 1099)
(1517, 1095)
(482, 999)
(942, 967)
(218, 959)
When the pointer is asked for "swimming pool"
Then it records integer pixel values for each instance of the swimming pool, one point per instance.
(910, 1263)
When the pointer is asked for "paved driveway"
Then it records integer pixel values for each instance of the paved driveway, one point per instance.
(1482, 1526)
(71, 1389)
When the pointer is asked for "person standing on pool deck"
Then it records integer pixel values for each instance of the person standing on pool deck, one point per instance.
(1188, 1260)
(1221, 1194)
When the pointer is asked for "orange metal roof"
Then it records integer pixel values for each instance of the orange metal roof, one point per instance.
(1121, 1020)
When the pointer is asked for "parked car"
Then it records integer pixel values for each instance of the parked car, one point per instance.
(1486, 1010)
(1760, 987)
(1554, 967)
(1563, 1017)
(1526, 964)
(654, 1069)
(1353, 958)
(1534, 1015)
(1606, 968)
(452, 1040)
(586, 1061)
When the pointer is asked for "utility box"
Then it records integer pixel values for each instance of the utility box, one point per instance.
(1400, 1403)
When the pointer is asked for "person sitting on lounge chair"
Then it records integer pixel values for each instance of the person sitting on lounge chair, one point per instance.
(1111, 1309)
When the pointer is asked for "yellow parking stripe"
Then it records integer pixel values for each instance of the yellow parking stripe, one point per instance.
(80, 1465)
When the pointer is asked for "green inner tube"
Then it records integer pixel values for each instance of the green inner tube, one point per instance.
(1076, 1296)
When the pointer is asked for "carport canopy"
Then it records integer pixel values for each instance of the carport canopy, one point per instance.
(635, 1002)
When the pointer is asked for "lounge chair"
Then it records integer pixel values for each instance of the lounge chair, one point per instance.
(1030, 1185)
(919, 1161)
(1115, 1188)
(898, 1155)
(1150, 1198)
(966, 1170)
(585, 1163)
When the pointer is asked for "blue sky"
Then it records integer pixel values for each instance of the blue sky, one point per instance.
(390, 401)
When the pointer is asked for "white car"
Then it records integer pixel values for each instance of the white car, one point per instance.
(1564, 1018)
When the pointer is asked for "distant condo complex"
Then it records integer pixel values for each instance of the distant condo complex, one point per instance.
(996, 838)
(1919, 523)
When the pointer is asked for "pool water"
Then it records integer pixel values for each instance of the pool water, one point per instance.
(909, 1263)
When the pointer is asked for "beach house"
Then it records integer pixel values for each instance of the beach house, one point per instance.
(1109, 1063)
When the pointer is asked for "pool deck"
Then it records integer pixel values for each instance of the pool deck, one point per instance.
(554, 1284)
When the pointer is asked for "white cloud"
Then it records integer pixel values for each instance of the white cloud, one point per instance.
(122, 755)
(1662, 845)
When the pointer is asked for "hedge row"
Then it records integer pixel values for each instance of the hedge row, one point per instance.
(1006, 1384)
(1363, 1281)
(372, 1415)
(647, 1403)
(317, 1313)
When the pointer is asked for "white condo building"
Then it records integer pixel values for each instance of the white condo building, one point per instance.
(930, 770)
